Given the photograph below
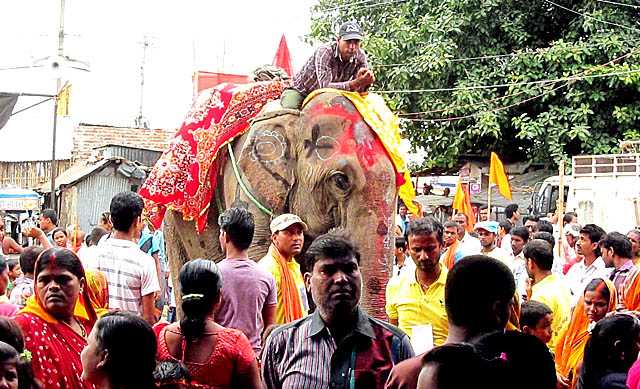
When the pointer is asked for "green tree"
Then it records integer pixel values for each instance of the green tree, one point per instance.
(417, 45)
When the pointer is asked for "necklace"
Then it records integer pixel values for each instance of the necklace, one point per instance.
(83, 331)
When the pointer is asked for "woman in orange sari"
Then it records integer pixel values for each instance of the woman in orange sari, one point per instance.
(598, 299)
(55, 326)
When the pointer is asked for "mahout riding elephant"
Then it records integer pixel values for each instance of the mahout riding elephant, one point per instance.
(324, 164)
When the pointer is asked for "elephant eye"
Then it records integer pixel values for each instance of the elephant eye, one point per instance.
(341, 180)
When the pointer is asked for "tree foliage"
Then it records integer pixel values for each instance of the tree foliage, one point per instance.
(417, 44)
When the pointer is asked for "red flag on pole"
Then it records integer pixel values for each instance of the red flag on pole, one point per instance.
(283, 58)
(498, 176)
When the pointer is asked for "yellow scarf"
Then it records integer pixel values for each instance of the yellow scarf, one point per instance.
(288, 289)
(33, 307)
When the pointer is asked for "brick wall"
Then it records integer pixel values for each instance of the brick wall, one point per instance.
(87, 137)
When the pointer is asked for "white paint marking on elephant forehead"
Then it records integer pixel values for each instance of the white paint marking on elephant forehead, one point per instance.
(335, 149)
(310, 171)
(269, 140)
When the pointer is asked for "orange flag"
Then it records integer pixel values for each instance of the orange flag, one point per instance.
(498, 176)
(462, 203)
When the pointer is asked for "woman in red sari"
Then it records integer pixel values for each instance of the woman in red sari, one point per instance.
(55, 327)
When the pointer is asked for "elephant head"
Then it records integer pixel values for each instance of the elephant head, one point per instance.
(327, 166)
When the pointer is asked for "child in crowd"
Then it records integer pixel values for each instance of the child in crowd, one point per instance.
(536, 319)
(23, 286)
(172, 375)
(11, 334)
(8, 366)
(14, 273)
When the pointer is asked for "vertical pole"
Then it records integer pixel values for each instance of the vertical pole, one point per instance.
(55, 111)
(560, 207)
(488, 202)
(52, 205)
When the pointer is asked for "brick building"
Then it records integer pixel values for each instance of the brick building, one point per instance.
(87, 137)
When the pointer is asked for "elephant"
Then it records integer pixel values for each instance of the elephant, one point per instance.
(324, 164)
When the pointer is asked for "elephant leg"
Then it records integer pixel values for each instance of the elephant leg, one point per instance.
(176, 255)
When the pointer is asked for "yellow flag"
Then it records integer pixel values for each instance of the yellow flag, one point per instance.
(498, 176)
(63, 101)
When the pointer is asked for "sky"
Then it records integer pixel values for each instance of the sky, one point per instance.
(208, 35)
(219, 36)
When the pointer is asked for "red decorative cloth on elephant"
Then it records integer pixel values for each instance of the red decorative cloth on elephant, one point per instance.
(384, 123)
(182, 179)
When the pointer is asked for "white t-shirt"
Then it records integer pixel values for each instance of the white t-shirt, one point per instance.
(130, 272)
(505, 244)
(471, 244)
(499, 254)
(408, 267)
(579, 276)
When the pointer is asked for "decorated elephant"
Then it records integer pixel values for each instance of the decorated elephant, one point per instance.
(324, 164)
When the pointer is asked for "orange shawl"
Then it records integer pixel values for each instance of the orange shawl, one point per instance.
(631, 290)
(291, 299)
(514, 314)
(450, 255)
(570, 347)
(98, 291)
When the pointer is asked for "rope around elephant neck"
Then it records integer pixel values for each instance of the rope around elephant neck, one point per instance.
(244, 188)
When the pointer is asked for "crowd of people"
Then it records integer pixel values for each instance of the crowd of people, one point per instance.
(508, 300)
(529, 303)
(569, 287)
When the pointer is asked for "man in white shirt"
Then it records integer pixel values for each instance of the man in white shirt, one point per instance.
(512, 213)
(516, 261)
(402, 219)
(131, 273)
(402, 263)
(504, 232)
(591, 266)
(488, 232)
(470, 244)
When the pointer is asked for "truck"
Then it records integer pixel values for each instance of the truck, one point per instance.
(602, 189)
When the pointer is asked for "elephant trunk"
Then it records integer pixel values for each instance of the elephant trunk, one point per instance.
(373, 232)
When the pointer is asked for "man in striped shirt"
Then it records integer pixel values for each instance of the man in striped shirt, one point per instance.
(339, 345)
(131, 273)
(339, 65)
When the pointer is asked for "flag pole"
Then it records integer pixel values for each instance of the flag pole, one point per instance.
(489, 201)
(560, 207)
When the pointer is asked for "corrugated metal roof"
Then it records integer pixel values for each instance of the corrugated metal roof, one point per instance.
(94, 196)
(146, 157)
(74, 174)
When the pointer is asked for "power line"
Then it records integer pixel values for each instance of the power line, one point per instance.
(620, 4)
(521, 92)
(591, 17)
(378, 4)
(571, 81)
(536, 51)
(503, 85)
(492, 110)
(346, 5)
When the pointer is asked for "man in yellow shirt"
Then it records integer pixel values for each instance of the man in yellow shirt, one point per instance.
(415, 301)
(545, 287)
(287, 240)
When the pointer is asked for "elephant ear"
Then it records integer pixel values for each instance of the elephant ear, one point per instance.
(268, 159)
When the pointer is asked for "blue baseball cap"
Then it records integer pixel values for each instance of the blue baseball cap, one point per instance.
(487, 226)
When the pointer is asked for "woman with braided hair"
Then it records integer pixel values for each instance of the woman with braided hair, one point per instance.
(215, 356)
